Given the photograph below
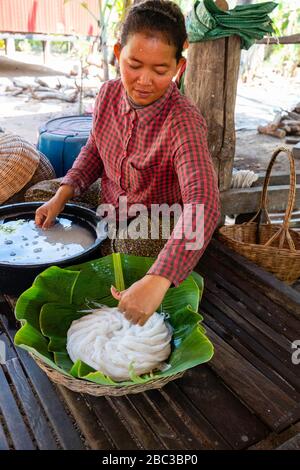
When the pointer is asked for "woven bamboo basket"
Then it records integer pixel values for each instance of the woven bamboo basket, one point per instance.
(276, 248)
(84, 386)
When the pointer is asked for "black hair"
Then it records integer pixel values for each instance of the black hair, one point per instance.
(156, 16)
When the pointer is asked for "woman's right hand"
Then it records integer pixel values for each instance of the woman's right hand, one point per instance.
(46, 214)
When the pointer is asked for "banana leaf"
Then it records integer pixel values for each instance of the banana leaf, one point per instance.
(59, 296)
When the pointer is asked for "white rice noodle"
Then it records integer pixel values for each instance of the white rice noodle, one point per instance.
(108, 342)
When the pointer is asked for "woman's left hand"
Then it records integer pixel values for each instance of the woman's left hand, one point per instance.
(142, 298)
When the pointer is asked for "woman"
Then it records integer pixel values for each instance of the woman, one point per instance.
(148, 143)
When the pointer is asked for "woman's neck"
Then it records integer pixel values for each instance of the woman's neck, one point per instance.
(135, 105)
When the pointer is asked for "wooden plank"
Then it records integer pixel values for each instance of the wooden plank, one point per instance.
(9, 351)
(172, 408)
(222, 409)
(241, 286)
(291, 444)
(219, 290)
(279, 216)
(13, 418)
(290, 139)
(54, 409)
(252, 386)
(175, 421)
(274, 440)
(134, 446)
(245, 200)
(156, 422)
(250, 354)
(253, 339)
(291, 39)
(277, 178)
(259, 363)
(143, 413)
(235, 298)
(3, 441)
(32, 408)
(244, 288)
(6, 310)
(113, 424)
(200, 427)
(86, 420)
(56, 413)
(137, 424)
(11, 301)
(296, 150)
(39, 36)
(276, 290)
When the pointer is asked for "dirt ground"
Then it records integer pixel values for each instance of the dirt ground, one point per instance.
(257, 103)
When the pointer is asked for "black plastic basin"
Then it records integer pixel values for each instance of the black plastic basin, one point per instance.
(15, 278)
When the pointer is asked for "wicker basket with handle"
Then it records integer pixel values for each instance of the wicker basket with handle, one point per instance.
(276, 248)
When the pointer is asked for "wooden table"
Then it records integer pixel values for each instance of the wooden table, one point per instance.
(247, 396)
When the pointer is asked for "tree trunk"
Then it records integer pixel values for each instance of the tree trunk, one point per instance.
(211, 83)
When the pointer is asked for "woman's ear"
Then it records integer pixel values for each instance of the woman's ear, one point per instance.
(180, 64)
(117, 50)
(186, 44)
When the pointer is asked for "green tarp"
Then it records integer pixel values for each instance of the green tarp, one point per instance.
(206, 21)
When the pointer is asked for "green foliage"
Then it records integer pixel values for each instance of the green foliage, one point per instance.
(287, 19)
(28, 45)
(110, 13)
(60, 47)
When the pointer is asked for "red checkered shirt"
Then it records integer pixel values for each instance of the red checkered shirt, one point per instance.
(153, 155)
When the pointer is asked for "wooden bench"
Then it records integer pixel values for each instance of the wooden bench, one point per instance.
(246, 200)
(246, 397)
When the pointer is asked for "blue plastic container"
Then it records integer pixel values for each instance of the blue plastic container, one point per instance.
(61, 140)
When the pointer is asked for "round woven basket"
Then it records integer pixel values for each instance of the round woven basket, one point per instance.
(276, 248)
(19, 160)
(84, 386)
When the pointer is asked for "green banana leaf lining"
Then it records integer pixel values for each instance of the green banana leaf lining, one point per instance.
(59, 296)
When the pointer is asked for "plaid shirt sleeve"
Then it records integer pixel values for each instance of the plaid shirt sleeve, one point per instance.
(198, 185)
(88, 166)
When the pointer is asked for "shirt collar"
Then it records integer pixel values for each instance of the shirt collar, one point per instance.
(147, 113)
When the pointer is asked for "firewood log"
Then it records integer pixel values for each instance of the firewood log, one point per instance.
(273, 128)
(297, 109)
(289, 122)
(269, 130)
(55, 96)
(293, 115)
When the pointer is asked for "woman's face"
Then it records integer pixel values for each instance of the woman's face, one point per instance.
(147, 66)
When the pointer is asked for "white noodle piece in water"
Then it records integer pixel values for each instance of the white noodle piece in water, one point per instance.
(108, 342)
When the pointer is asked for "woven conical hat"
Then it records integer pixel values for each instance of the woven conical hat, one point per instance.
(18, 161)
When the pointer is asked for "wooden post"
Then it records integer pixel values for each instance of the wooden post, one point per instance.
(211, 84)
(10, 48)
(46, 50)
